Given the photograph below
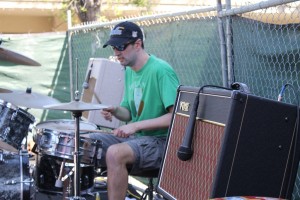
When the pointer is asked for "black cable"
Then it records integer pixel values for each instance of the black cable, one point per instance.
(280, 96)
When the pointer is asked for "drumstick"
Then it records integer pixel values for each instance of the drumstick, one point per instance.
(97, 98)
(93, 131)
(97, 131)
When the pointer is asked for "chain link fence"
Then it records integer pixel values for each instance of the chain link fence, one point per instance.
(196, 61)
(257, 44)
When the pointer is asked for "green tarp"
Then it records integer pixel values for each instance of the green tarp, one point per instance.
(52, 78)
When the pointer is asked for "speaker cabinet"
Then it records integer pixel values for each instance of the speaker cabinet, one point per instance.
(243, 145)
(105, 86)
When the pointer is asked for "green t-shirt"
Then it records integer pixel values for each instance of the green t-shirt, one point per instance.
(149, 92)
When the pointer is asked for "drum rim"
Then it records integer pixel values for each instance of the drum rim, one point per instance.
(18, 109)
(66, 120)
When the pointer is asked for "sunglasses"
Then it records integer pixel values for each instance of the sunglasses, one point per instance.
(122, 47)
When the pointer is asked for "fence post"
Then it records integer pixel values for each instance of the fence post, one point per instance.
(223, 46)
(229, 45)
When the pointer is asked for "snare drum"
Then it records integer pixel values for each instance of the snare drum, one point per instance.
(48, 170)
(15, 181)
(14, 124)
(57, 138)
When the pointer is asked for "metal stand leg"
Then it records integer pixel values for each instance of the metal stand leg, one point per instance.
(77, 115)
(149, 191)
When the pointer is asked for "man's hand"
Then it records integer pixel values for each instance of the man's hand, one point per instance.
(107, 113)
(125, 130)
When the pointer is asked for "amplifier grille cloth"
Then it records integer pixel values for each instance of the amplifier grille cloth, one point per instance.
(191, 179)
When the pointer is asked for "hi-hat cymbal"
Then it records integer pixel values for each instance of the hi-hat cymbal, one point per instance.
(7, 147)
(7, 55)
(28, 99)
(76, 106)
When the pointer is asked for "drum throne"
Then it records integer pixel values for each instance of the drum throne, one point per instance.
(104, 84)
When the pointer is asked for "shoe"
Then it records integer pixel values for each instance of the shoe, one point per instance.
(132, 193)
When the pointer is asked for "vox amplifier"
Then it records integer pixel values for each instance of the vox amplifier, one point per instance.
(237, 145)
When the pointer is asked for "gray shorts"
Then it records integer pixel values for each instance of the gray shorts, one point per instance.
(148, 150)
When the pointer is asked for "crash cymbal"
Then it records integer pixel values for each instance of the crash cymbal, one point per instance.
(2, 90)
(7, 147)
(28, 99)
(7, 55)
(76, 106)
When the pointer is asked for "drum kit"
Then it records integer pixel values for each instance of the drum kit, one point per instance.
(61, 153)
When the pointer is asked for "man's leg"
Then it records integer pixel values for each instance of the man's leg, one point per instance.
(117, 157)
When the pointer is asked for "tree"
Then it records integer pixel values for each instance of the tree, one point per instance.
(90, 10)
(86, 10)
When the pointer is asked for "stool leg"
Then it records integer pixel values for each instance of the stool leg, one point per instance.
(149, 191)
(151, 188)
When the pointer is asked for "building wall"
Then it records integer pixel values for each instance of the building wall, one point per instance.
(35, 16)
(30, 24)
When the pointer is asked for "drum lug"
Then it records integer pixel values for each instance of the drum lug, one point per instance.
(2, 160)
(99, 153)
(14, 115)
(42, 179)
(7, 130)
(85, 180)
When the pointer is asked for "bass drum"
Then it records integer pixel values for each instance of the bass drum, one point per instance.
(15, 177)
(48, 169)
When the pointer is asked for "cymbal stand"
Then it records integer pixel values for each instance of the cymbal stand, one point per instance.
(77, 114)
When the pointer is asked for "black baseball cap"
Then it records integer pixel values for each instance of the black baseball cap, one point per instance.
(123, 33)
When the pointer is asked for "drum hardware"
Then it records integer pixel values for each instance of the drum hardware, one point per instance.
(85, 179)
(68, 174)
(14, 115)
(76, 107)
(59, 180)
(1, 156)
(7, 130)
(5, 155)
(52, 165)
(14, 182)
